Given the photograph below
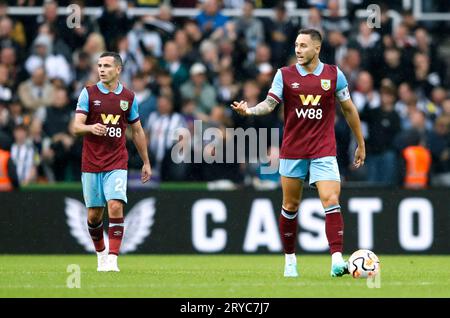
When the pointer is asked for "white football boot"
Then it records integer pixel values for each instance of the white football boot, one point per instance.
(112, 263)
(102, 261)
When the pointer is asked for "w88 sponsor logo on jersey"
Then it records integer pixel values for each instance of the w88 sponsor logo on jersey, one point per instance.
(114, 132)
(311, 113)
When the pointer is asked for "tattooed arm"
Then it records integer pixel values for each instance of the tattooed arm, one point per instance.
(263, 108)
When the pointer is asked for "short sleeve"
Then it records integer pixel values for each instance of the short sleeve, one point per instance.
(341, 80)
(342, 92)
(83, 102)
(276, 91)
(133, 116)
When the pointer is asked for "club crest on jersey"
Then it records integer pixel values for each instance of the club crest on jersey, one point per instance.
(295, 85)
(123, 105)
(325, 83)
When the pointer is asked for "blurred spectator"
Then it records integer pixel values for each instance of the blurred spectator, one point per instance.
(383, 124)
(131, 60)
(188, 53)
(210, 58)
(82, 70)
(199, 90)
(171, 62)
(314, 20)
(6, 34)
(210, 17)
(193, 31)
(94, 46)
(250, 27)
(17, 115)
(409, 102)
(417, 127)
(438, 96)
(263, 55)
(144, 97)
(334, 47)
(23, 155)
(351, 67)
(282, 35)
(37, 91)
(5, 90)
(416, 163)
(446, 107)
(227, 87)
(369, 45)
(56, 66)
(143, 40)
(165, 87)
(162, 24)
(393, 67)
(161, 127)
(55, 121)
(76, 36)
(57, 44)
(56, 117)
(16, 30)
(8, 173)
(425, 78)
(364, 94)
(439, 144)
(335, 21)
(113, 22)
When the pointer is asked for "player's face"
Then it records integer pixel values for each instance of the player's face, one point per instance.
(108, 71)
(306, 49)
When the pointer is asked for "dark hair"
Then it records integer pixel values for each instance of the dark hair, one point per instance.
(116, 56)
(313, 33)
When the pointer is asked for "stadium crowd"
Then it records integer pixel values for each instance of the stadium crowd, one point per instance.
(185, 69)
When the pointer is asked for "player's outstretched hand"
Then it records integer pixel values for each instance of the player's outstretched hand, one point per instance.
(98, 129)
(360, 156)
(146, 173)
(240, 107)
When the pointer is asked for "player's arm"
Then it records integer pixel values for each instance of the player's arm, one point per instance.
(268, 105)
(80, 128)
(351, 115)
(263, 108)
(138, 136)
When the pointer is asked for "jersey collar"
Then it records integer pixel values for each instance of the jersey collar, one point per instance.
(103, 89)
(316, 72)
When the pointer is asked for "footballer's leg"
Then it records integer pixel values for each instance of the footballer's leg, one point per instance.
(334, 224)
(292, 189)
(95, 227)
(115, 193)
(326, 178)
(115, 231)
(95, 202)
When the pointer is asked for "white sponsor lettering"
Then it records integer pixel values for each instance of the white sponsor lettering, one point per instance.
(365, 208)
(424, 210)
(200, 239)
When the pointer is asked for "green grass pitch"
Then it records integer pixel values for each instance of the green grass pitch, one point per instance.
(214, 276)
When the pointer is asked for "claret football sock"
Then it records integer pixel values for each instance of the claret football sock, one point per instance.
(288, 230)
(334, 228)
(115, 234)
(96, 232)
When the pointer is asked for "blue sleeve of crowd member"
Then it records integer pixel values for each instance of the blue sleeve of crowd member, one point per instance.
(277, 85)
(341, 80)
(83, 101)
(133, 116)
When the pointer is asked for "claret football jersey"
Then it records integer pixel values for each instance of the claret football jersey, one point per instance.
(309, 109)
(114, 109)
